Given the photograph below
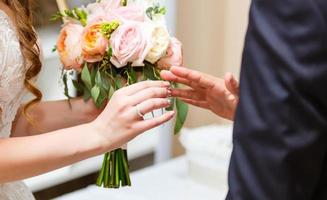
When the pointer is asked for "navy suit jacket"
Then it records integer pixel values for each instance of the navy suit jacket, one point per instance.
(280, 131)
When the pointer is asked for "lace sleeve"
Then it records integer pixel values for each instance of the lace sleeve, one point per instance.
(2, 49)
(12, 74)
(3, 45)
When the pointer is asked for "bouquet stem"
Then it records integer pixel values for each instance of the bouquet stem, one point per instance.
(115, 170)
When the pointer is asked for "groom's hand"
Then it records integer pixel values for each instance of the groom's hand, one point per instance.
(205, 91)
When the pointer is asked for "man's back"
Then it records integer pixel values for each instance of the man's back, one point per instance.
(280, 136)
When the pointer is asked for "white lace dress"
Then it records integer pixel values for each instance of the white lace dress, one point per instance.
(12, 72)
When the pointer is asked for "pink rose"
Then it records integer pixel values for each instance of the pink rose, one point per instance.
(100, 10)
(111, 4)
(133, 13)
(109, 13)
(174, 55)
(69, 46)
(94, 44)
(130, 43)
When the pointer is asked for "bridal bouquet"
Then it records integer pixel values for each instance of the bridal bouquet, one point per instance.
(110, 44)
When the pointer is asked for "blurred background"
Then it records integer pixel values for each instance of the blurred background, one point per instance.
(192, 166)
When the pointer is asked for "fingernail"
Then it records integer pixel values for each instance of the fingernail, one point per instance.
(171, 113)
(169, 92)
(169, 101)
(166, 84)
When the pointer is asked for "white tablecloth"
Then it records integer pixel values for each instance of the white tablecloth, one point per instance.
(168, 181)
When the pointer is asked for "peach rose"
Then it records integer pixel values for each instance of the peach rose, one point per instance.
(69, 46)
(130, 43)
(94, 44)
(174, 55)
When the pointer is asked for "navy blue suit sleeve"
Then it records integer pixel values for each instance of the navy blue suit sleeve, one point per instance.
(280, 131)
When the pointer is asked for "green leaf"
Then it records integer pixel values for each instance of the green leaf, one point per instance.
(93, 75)
(110, 52)
(86, 77)
(155, 10)
(77, 14)
(149, 12)
(156, 73)
(108, 28)
(98, 79)
(78, 86)
(162, 10)
(148, 72)
(56, 16)
(102, 97)
(182, 110)
(95, 93)
(118, 83)
(131, 75)
(54, 49)
(105, 81)
(66, 90)
(70, 13)
(86, 95)
(113, 71)
(81, 15)
(111, 92)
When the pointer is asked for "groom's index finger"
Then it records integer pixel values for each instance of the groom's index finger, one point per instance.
(168, 76)
(196, 77)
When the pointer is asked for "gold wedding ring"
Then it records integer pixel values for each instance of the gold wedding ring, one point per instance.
(139, 111)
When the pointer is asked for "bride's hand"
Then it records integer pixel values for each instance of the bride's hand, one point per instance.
(215, 94)
(121, 120)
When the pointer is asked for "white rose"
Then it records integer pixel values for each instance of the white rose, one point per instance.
(159, 19)
(160, 43)
(143, 3)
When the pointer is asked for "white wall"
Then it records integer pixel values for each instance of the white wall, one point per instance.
(171, 14)
(212, 32)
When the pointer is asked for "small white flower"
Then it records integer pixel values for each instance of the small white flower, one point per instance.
(159, 20)
(144, 3)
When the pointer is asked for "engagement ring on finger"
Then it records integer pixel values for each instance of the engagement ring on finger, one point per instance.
(139, 111)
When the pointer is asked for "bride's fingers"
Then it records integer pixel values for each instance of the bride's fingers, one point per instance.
(152, 92)
(149, 106)
(201, 104)
(199, 78)
(145, 125)
(187, 93)
(132, 89)
(232, 84)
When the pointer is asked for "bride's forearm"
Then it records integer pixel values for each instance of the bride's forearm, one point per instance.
(53, 115)
(24, 157)
(120, 122)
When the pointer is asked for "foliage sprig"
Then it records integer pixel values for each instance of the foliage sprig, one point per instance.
(76, 13)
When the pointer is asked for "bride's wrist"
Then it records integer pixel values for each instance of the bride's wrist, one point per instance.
(99, 132)
(86, 110)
